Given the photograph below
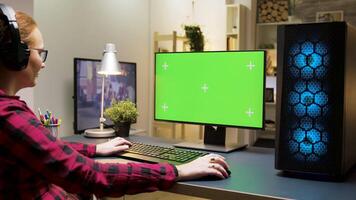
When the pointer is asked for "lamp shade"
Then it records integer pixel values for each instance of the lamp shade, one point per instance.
(109, 63)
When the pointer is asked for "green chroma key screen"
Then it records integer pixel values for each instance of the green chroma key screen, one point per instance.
(218, 88)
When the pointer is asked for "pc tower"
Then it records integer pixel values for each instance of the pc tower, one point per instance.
(316, 99)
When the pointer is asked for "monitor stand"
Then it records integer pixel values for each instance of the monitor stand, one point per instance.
(214, 140)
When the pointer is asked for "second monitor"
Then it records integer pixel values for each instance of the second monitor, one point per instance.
(87, 91)
(216, 89)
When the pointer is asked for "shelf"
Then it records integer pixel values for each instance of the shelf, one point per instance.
(174, 37)
(235, 26)
(169, 37)
(232, 5)
(271, 129)
(277, 23)
(232, 34)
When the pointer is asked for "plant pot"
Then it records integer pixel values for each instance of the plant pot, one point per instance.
(122, 129)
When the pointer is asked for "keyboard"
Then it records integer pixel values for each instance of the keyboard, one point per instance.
(157, 154)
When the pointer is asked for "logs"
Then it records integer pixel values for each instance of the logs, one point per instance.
(270, 11)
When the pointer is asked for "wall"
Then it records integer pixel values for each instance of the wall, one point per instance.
(80, 29)
(167, 16)
(27, 7)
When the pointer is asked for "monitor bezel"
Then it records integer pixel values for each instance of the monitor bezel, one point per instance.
(211, 124)
(75, 97)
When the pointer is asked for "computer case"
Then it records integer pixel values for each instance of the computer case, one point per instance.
(316, 99)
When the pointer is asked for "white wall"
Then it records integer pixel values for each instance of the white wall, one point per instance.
(80, 29)
(27, 7)
(167, 16)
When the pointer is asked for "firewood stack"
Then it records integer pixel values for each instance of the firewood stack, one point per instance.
(270, 11)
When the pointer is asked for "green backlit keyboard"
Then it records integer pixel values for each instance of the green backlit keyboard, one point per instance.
(156, 154)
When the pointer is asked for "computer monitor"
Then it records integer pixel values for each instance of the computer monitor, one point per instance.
(217, 89)
(87, 91)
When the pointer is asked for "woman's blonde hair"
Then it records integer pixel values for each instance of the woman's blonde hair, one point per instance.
(26, 26)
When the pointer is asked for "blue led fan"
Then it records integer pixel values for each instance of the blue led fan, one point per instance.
(308, 62)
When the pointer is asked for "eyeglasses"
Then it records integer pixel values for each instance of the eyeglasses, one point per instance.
(43, 53)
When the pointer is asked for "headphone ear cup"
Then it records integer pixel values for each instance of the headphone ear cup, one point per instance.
(14, 53)
(23, 56)
(16, 59)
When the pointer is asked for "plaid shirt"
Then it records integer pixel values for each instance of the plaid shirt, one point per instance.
(35, 165)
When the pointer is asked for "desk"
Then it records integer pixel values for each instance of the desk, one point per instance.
(253, 177)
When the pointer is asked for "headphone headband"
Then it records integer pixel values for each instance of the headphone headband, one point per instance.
(14, 54)
(8, 12)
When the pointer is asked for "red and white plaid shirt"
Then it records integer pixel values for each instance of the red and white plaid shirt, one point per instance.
(35, 165)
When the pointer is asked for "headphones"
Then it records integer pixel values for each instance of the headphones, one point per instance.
(14, 54)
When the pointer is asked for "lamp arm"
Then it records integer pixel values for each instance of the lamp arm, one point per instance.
(102, 119)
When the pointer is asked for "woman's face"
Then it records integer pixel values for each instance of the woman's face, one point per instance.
(35, 63)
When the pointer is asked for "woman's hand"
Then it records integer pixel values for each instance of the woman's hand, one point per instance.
(113, 146)
(211, 164)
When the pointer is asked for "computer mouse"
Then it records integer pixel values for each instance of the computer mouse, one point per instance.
(228, 171)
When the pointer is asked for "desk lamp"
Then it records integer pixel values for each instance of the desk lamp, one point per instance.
(109, 66)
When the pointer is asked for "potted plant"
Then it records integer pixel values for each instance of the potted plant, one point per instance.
(195, 36)
(122, 114)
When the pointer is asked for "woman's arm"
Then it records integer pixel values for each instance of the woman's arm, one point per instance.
(88, 150)
(24, 138)
(110, 147)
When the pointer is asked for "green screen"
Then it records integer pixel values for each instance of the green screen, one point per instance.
(218, 88)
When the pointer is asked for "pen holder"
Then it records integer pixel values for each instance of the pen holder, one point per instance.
(53, 129)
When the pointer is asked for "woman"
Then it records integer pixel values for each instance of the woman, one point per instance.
(35, 165)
